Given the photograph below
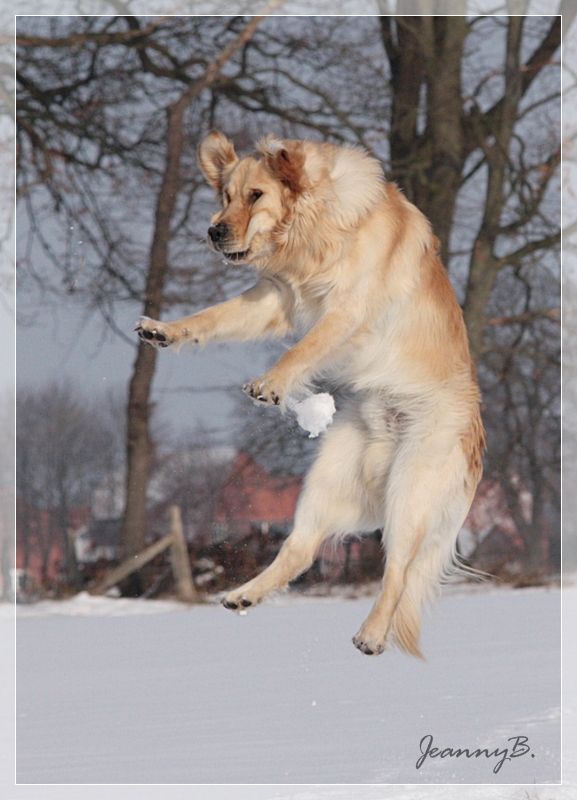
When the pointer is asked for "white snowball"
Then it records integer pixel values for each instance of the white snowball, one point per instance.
(314, 413)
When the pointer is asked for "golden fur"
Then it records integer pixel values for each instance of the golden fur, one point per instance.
(342, 257)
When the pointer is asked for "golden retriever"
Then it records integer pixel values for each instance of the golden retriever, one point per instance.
(343, 258)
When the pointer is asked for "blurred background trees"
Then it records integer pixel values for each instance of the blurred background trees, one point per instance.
(67, 445)
(6, 495)
(464, 114)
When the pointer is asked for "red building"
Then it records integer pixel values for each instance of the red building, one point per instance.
(252, 499)
(40, 541)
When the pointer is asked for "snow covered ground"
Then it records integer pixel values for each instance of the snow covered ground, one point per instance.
(281, 698)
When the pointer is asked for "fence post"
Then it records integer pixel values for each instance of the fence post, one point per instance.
(130, 565)
(72, 569)
(185, 588)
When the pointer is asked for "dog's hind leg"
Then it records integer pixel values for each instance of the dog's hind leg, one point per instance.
(434, 561)
(333, 501)
(426, 503)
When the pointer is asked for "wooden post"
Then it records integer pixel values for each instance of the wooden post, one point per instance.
(131, 564)
(72, 570)
(185, 588)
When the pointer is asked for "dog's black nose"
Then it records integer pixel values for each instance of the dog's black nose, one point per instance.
(218, 232)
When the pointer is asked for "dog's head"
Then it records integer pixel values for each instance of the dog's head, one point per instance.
(258, 195)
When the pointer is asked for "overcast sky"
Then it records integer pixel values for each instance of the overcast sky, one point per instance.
(66, 342)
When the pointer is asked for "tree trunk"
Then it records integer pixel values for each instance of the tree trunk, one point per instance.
(72, 576)
(72, 568)
(484, 266)
(444, 110)
(482, 274)
(432, 136)
(426, 139)
(139, 444)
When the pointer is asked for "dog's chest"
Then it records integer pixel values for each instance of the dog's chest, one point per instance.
(309, 307)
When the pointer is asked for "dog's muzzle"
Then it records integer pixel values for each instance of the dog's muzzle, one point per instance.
(218, 234)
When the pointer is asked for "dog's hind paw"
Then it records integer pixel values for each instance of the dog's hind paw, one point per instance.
(368, 646)
(243, 597)
(234, 605)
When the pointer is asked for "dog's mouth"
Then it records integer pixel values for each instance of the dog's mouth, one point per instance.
(238, 256)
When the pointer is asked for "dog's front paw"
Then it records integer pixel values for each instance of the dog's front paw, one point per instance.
(262, 390)
(153, 332)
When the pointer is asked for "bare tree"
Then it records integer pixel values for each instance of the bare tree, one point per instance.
(138, 439)
(463, 112)
(173, 181)
(474, 140)
(63, 450)
(7, 113)
(6, 494)
(450, 105)
(190, 472)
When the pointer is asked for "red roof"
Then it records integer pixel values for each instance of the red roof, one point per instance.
(251, 494)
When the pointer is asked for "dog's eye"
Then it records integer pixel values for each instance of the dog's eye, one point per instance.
(255, 195)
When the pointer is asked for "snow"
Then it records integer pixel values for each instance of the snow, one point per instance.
(111, 693)
(84, 604)
(281, 695)
(203, 696)
(314, 412)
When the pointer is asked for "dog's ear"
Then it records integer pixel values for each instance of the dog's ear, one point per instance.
(216, 157)
(286, 161)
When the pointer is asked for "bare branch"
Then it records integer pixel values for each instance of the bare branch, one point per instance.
(553, 314)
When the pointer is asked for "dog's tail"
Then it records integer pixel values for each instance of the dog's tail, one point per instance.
(435, 564)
